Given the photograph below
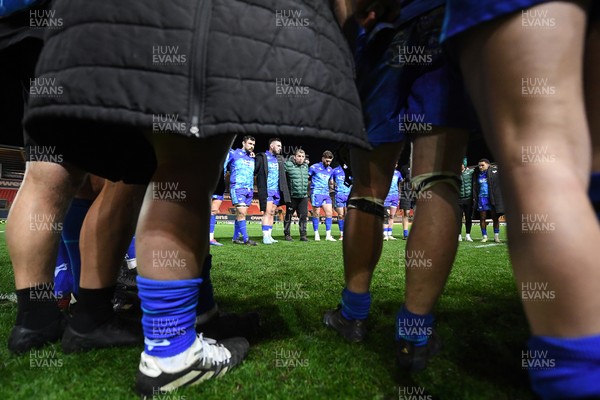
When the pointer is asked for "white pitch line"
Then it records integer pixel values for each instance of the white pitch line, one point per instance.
(488, 245)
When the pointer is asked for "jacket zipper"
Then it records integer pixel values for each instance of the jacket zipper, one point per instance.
(198, 67)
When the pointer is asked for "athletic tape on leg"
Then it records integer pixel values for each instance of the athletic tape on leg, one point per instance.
(426, 181)
(369, 205)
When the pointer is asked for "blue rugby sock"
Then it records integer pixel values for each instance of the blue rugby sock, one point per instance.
(355, 305)
(594, 192)
(131, 249)
(130, 255)
(414, 328)
(236, 229)
(328, 224)
(243, 230)
(405, 232)
(496, 230)
(206, 300)
(213, 223)
(341, 225)
(483, 231)
(169, 309)
(70, 235)
(315, 221)
(564, 368)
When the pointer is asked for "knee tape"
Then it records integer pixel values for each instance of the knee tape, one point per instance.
(369, 205)
(424, 182)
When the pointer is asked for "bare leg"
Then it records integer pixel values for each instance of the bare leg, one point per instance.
(405, 216)
(391, 220)
(556, 123)
(107, 232)
(40, 206)
(32, 235)
(179, 228)
(483, 220)
(372, 176)
(172, 245)
(432, 244)
(592, 95)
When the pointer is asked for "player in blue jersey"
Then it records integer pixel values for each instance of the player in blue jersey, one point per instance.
(487, 197)
(241, 186)
(342, 191)
(320, 174)
(532, 69)
(272, 186)
(391, 205)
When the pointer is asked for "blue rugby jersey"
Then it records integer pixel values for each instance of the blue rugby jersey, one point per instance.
(483, 184)
(241, 166)
(320, 176)
(339, 177)
(273, 174)
(394, 191)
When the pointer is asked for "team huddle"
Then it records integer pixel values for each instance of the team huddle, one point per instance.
(291, 183)
(375, 75)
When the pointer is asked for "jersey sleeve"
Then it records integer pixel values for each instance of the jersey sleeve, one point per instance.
(227, 161)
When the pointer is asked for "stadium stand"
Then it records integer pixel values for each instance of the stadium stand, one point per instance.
(12, 169)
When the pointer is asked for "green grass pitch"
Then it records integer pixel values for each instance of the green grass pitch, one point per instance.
(291, 284)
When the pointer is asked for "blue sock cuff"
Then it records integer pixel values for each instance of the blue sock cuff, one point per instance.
(562, 368)
(147, 283)
(484, 231)
(236, 229)
(355, 305)
(497, 230)
(169, 309)
(213, 223)
(265, 228)
(242, 229)
(405, 232)
(415, 328)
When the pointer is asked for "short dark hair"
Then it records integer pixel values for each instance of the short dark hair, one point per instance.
(248, 137)
(299, 150)
(483, 159)
(327, 154)
(275, 139)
